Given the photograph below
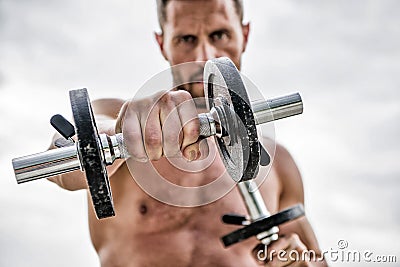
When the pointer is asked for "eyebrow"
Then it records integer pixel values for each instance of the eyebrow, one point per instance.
(224, 30)
(180, 35)
(184, 34)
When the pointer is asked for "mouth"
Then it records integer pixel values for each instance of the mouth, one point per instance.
(197, 82)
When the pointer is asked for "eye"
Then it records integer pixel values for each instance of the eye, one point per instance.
(187, 39)
(219, 36)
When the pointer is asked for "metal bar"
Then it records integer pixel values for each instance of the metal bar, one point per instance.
(257, 210)
(46, 164)
(277, 108)
(254, 202)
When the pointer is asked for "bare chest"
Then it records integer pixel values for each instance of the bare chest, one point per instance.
(150, 230)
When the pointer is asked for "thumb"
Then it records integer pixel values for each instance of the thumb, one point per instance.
(192, 151)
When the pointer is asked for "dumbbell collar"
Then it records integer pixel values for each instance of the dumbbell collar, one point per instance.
(113, 147)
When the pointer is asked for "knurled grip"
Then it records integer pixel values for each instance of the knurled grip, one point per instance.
(206, 129)
(123, 150)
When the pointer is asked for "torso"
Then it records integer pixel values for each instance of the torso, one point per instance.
(147, 232)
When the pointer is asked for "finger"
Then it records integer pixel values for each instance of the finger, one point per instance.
(259, 254)
(133, 139)
(286, 257)
(289, 253)
(120, 118)
(280, 259)
(171, 126)
(189, 119)
(281, 244)
(276, 252)
(152, 134)
(192, 152)
(295, 251)
(204, 148)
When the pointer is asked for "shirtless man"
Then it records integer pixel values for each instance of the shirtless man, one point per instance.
(148, 232)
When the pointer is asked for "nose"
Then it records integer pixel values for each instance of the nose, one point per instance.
(206, 51)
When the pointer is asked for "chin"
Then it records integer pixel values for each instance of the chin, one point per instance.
(196, 89)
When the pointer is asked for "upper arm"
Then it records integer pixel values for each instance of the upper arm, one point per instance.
(291, 183)
(290, 192)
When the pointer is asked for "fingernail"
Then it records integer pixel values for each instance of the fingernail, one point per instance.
(192, 155)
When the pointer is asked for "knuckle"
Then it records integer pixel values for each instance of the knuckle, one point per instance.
(192, 130)
(159, 94)
(185, 95)
(120, 118)
(123, 109)
(154, 156)
(144, 107)
(152, 138)
(132, 136)
(167, 98)
(294, 237)
(118, 125)
(132, 105)
(132, 140)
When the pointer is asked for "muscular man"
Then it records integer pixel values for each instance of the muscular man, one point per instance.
(149, 232)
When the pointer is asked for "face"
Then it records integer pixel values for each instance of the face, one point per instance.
(198, 30)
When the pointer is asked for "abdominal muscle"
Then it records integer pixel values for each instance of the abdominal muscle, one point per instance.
(147, 232)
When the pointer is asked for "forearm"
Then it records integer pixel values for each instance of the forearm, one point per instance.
(76, 180)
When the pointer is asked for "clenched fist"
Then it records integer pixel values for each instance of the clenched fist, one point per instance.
(165, 124)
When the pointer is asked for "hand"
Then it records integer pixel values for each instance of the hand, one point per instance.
(164, 124)
(286, 251)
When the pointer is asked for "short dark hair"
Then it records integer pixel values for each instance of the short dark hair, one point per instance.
(162, 14)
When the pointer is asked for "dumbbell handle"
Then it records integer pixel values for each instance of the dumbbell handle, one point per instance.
(263, 111)
(277, 108)
(66, 159)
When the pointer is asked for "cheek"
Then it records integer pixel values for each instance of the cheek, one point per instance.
(234, 53)
(234, 48)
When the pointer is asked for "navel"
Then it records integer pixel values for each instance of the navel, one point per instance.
(143, 209)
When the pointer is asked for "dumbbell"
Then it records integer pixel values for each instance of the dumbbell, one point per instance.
(231, 119)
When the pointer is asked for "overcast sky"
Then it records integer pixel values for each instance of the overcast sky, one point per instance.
(343, 56)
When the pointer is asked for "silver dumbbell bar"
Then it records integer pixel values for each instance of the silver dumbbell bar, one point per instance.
(66, 159)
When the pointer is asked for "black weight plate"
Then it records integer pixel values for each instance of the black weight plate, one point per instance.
(240, 151)
(263, 225)
(91, 154)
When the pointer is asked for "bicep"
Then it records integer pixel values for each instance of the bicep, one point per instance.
(291, 193)
(292, 190)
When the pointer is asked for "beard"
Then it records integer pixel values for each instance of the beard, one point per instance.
(189, 77)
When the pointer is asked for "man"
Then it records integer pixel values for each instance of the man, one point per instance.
(148, 232)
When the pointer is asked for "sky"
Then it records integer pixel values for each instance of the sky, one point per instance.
(343, 56)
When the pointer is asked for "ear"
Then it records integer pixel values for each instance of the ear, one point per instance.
(160, 41)
(245, 31)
